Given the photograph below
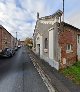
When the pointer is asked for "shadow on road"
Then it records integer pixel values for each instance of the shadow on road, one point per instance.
(10, 65)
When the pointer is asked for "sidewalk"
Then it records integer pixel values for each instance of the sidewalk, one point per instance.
(57, 80)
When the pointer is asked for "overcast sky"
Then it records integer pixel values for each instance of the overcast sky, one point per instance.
(20, 15)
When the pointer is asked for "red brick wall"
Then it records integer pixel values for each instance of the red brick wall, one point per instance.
(6, 39)
(68, 36)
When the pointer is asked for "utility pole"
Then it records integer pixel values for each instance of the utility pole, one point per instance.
(16, 38)
(63, 10)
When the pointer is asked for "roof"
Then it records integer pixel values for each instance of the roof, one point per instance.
(1, 26)
(59, 13)
(69, 25)
(4, 28)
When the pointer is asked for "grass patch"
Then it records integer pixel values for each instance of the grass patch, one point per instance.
(73, 72)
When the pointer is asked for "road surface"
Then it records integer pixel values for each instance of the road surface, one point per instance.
(17, 74)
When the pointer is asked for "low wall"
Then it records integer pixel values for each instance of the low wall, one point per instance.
(51, 62)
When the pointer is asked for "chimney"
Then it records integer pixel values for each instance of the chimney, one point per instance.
(37, 15)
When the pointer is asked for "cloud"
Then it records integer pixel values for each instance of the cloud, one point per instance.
(20, 15)
(74, 19)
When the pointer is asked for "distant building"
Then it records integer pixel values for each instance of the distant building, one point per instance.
(22, 43)
(55, 41)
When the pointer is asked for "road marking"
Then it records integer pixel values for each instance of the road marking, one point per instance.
(44, 76)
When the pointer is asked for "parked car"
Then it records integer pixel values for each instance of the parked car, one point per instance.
(7, 52)
(15, 48)
(19, 46)
(13, 51)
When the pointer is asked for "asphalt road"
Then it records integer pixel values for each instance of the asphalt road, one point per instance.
(17, 74)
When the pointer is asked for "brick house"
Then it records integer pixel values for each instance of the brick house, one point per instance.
(6, 39)
(55, 41)
(69, 44)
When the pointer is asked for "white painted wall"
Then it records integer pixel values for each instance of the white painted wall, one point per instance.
(78, 51)
(39, 41)
(50, 21)
(78, 47)
(53, 49)
(41, 46)
(51, 45)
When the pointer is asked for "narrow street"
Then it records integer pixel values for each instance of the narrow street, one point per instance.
(17, 74)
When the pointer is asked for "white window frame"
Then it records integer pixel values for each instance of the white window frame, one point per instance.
(78, 38)
(69, 48)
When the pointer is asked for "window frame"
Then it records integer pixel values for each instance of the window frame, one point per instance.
(78, 38)
(46, 43)
(69, 48)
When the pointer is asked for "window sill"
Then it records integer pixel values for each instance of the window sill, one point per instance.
(69, 51)
(45, 50)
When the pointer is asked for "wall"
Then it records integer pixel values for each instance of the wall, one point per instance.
(6, 39)
(39, 42)
(12, 42)
(42, 27)
(53, 46)
(78, 45)
(68, 36)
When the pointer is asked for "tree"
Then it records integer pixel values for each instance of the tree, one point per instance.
(29, 42)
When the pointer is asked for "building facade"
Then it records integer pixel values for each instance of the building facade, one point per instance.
(6, 39)
(69, 45)
(55, 41)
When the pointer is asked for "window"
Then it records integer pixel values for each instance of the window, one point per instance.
(46, 43)
(78, 38)
(69, 47)
(37, 38)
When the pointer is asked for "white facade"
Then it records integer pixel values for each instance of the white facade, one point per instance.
(78, 46)
(51, 44)
(46, 27)
(39, 45)
(52, 48)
